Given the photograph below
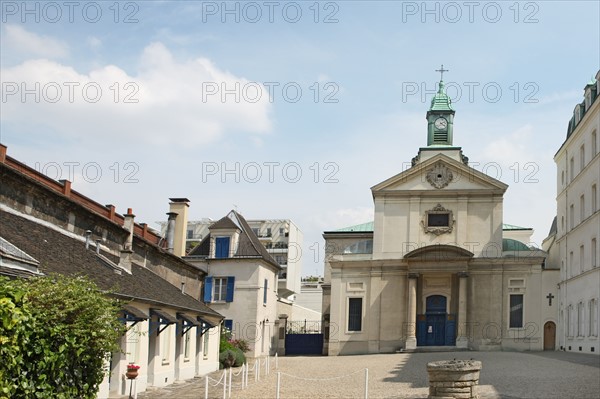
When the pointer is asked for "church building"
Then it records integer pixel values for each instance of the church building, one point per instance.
(437, 266)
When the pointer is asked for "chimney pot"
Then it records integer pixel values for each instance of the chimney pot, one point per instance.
(88, 233)
(129, 211)
(98, 246)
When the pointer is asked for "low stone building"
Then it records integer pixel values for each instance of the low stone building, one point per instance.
(49, 228)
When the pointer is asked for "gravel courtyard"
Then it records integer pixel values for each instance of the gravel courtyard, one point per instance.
(504, 375)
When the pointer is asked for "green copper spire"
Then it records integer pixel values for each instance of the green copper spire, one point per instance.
(441, 101)
(440, 117)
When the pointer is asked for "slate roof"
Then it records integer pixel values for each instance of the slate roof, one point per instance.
(249, 245)
(59, 253)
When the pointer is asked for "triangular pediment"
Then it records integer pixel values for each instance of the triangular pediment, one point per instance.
(439, 173)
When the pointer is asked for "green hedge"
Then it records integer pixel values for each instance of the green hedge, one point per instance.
(55, 335)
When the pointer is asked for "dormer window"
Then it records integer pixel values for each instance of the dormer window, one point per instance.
(588, 99)
(222, 245)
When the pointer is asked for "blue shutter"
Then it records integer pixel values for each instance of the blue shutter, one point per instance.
(222, 247)
(228, 324)
(230, 288)
(208, 283)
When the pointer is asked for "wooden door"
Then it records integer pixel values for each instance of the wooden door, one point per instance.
(549, 336)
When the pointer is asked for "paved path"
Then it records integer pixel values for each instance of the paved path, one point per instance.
(505, 375)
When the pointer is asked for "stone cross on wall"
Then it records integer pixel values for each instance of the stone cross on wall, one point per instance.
(550, 297)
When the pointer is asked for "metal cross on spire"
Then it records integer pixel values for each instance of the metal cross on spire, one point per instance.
(441, 71)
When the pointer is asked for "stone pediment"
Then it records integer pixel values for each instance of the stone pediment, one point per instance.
(438, 174)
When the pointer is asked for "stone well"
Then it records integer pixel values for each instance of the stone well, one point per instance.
(456, 379)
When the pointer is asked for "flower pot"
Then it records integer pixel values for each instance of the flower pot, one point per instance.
(131, 374)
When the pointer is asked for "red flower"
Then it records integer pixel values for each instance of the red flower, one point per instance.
(132, 366)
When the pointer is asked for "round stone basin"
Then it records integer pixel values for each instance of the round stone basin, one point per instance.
(453, 379)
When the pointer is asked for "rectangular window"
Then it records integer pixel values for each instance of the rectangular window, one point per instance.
(186, 345)
(133, 343)
(222, 247)
(594, 253)
(355, 314)
(569, 322)
(594, 317)
(265, 292)
(281, 231)
(581, 259)
(594, 198)
(594, 144)
(220, 289)
(190, 234)
(571, 216)
(438, 220)
(206, 340)
(268, 232)
(572, 167)
(580, 319)
(516, 311)
(582, 208)
(582, 157)
(165, 345)
(570, 265)
(228, 324)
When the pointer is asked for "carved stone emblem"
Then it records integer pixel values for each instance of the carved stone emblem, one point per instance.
(440, 176)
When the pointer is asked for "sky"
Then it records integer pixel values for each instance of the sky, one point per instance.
(289, 110)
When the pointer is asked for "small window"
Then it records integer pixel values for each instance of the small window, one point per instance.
(438, 220)
(594, 253)
(268, 232)
(228, 324)
(516, 311)
(582, 157)
(594, 144)
(581, 259)
(572, 167)
(594, 198)
(190, 234)
(580, 319)
(354, 314)
(582, 208)
(281, 231)
(205, 343)
(571, 216)
(219, 289)
(186, 345)
(265, 292)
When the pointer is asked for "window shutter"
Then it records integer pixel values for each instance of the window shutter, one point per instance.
(230, 288)
(208, 283)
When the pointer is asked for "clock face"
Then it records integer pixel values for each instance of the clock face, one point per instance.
(441, 123)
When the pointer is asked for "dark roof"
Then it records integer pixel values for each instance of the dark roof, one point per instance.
(553, 227)
(59, 253)
(249, 245)
(224, 223)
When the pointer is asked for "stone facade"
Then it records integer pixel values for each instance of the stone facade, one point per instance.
(434, 268)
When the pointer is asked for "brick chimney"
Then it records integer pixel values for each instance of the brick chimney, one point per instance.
(180, 207)
(125, 259)
(2, 153)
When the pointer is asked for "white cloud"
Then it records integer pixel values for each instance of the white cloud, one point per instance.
(161, 104)
(18, 39)
(94, 42)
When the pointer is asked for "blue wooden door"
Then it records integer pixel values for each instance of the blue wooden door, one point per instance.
(435, 320)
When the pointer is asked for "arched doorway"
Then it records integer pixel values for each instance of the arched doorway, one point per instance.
(549, 336)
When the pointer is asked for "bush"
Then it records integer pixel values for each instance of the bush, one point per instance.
(240, 358)
(55, 335)
(241, 344)
(227, 358)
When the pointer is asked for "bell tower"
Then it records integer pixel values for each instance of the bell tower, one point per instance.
(440, 117)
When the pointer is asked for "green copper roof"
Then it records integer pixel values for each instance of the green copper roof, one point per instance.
(513, 227)
(508, 244)
(592, 82)
(365, 227)
(441, 101)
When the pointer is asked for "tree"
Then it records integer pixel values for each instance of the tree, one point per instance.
(56, 333)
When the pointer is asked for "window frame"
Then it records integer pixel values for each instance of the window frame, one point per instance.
(348, 315)
(510, 311)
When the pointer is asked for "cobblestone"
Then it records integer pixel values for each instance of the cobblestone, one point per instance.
(505, 375)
